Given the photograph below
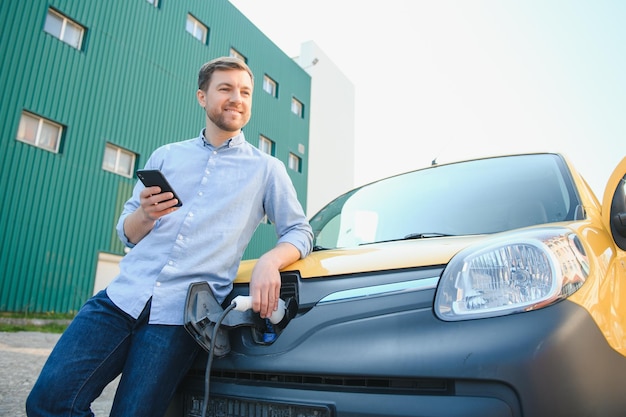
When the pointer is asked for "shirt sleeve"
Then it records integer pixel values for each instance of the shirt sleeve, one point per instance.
(285, 211)
(129, 207)
(132, 203)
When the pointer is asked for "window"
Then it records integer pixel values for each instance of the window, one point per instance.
(295, 162)
(297, 107)
(39, 132)
(118, 160)
(266, 145)
(197, 29)
(235, 54)
(64, 29)
(270, 86)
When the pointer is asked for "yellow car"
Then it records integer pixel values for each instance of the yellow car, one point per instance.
(490, 287)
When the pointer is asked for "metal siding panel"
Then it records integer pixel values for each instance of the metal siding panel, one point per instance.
(133, 84)
(8, 266)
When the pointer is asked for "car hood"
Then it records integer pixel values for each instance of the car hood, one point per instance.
(373, 257)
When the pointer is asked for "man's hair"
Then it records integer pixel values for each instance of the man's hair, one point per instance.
(224, 63)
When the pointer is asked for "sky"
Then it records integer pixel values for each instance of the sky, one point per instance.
(457, 79)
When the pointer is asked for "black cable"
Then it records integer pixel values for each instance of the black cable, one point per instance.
(207, 372)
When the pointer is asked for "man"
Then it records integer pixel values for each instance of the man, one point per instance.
(135, 326)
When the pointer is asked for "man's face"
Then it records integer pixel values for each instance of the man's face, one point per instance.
(228, 99)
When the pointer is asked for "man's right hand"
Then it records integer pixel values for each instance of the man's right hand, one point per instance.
(152, 206)
(155, 204)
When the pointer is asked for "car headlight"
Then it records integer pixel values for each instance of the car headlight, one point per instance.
(520, 272)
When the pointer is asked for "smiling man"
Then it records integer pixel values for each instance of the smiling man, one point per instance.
(135, 326)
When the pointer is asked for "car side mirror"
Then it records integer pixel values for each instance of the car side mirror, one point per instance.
(618, 214)
(619, 223)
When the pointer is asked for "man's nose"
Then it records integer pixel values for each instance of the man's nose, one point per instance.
(235, 96)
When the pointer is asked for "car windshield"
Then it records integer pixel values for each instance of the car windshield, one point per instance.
(466, 198)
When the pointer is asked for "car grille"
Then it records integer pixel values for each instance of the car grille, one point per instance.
(412, 386)
(249, 407)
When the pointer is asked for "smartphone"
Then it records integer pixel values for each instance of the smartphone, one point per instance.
(152, 177)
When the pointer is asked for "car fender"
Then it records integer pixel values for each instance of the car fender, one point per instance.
(614, 205)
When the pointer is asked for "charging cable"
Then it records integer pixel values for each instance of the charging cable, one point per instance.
(207, 372)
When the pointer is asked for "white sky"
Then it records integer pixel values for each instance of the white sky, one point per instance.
(455, 79)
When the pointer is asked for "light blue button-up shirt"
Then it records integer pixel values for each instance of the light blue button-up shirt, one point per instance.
(225, 191)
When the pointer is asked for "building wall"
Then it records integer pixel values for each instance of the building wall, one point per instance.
(332, 139)
(132, 84)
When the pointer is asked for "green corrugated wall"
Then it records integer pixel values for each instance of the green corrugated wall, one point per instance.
(132, 84)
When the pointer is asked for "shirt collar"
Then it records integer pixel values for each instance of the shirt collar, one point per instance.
(234, 141)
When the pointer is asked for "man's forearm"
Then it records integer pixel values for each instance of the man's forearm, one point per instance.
(282, 255)
(137, 226)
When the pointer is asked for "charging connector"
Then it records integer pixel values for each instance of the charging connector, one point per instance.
(244, 303)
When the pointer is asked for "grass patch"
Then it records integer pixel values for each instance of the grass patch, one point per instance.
(44, 316)
(34, 322)
(43, 328)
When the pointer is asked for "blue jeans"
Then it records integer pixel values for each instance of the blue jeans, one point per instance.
(101, 342)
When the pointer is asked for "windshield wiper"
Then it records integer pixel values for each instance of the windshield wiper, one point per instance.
(411, 236)
(424, 235)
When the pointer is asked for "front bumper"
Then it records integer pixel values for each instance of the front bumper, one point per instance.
(390, 356)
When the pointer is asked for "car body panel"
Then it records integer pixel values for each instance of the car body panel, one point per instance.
(604, 293)
(616, 179)
(375, 257)
(470, 364)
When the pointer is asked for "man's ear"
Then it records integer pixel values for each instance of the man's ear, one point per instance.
(201, 98)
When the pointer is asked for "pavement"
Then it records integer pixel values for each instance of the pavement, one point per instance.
(22, 355)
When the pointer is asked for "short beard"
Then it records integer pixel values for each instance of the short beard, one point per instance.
(219, 121)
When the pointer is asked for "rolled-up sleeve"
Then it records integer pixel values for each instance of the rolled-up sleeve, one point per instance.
(286, 213)
(129, 207)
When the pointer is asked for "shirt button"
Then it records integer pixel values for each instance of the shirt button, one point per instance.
(214, 152)
(200, 193)
(158, 284)
(190, 214)
(170, 263)
(180, 237)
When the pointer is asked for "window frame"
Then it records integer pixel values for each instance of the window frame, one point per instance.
(236, 54)
(270, 86)
(65, 20)
(119, 151)
(264, 143)
(293, 158)
(37, 140)
(197, 24)
(297, 107)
